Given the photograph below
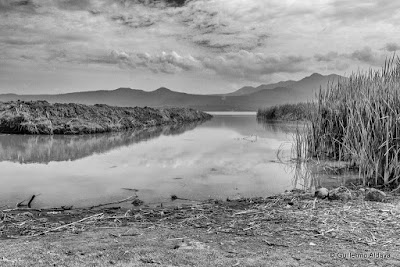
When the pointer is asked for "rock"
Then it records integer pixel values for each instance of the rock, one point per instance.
(321, 193)
(372, 194)
(137, 202)
(340, 193)
(297, 191)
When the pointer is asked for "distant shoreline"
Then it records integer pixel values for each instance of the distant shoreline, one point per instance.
(228, 113)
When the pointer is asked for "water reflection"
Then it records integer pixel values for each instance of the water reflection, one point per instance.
(330, 174)
(249, 125)
(44, 149)
(223, 157)
(284, 127)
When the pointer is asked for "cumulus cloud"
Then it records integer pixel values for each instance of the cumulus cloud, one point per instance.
(366, 54)
(251, 66)
(164, 62)
(244, 64)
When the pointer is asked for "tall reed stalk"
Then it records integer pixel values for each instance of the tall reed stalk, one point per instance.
(358, 120)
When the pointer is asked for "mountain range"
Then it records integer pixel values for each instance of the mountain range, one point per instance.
(247, 98)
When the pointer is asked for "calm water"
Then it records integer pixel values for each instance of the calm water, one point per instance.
(228, 156)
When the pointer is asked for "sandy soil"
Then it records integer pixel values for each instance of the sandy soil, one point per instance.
(131, 246)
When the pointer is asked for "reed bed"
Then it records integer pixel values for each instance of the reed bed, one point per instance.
(286, 112)
(357, 120)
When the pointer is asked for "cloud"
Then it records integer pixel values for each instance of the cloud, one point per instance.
(134, 21)
(251, 66)
(215, 25)
(18, 6)
(224, 25)
(366, 54)
(391, 47)
(164, 62)
(74, 4)
(243, 65)
(328, 57)
(153, 3)
(229, 40)
(359, 10)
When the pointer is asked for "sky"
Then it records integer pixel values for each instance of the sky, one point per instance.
(192, 46)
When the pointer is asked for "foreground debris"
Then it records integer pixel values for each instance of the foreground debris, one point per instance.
(291, 216)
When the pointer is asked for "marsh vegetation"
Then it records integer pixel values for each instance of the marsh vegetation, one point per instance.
(356, 121)
(42, 117)
(286, 112)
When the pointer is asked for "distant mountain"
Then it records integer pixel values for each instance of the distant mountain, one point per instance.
(309, 83)
(246, 90)
(248, 99)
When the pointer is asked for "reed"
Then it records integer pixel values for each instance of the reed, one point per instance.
(286, 112)
(357, 120)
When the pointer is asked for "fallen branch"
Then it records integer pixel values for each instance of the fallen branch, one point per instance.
(62, 208)
(22, 209)
(30, 201)
(113, 203)
(20, 204)
(175, 197)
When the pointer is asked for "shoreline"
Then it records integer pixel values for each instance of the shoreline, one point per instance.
(286, 223)
(42, 117)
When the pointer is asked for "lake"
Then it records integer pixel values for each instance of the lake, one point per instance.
(230, 155)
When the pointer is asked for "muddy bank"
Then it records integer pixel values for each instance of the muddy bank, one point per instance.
(290, 229)
(245, 232)
(41, 117)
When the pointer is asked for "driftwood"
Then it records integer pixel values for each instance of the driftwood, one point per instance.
(62, 208)
(113, 203)
(20, 204)
(175, 197)
(26, 208)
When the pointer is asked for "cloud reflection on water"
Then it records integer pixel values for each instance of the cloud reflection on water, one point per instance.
(214, 159)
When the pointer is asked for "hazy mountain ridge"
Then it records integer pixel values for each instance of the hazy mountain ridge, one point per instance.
(246, 90)
(244, 99)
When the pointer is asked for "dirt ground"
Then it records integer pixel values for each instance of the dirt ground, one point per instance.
(280, 231)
